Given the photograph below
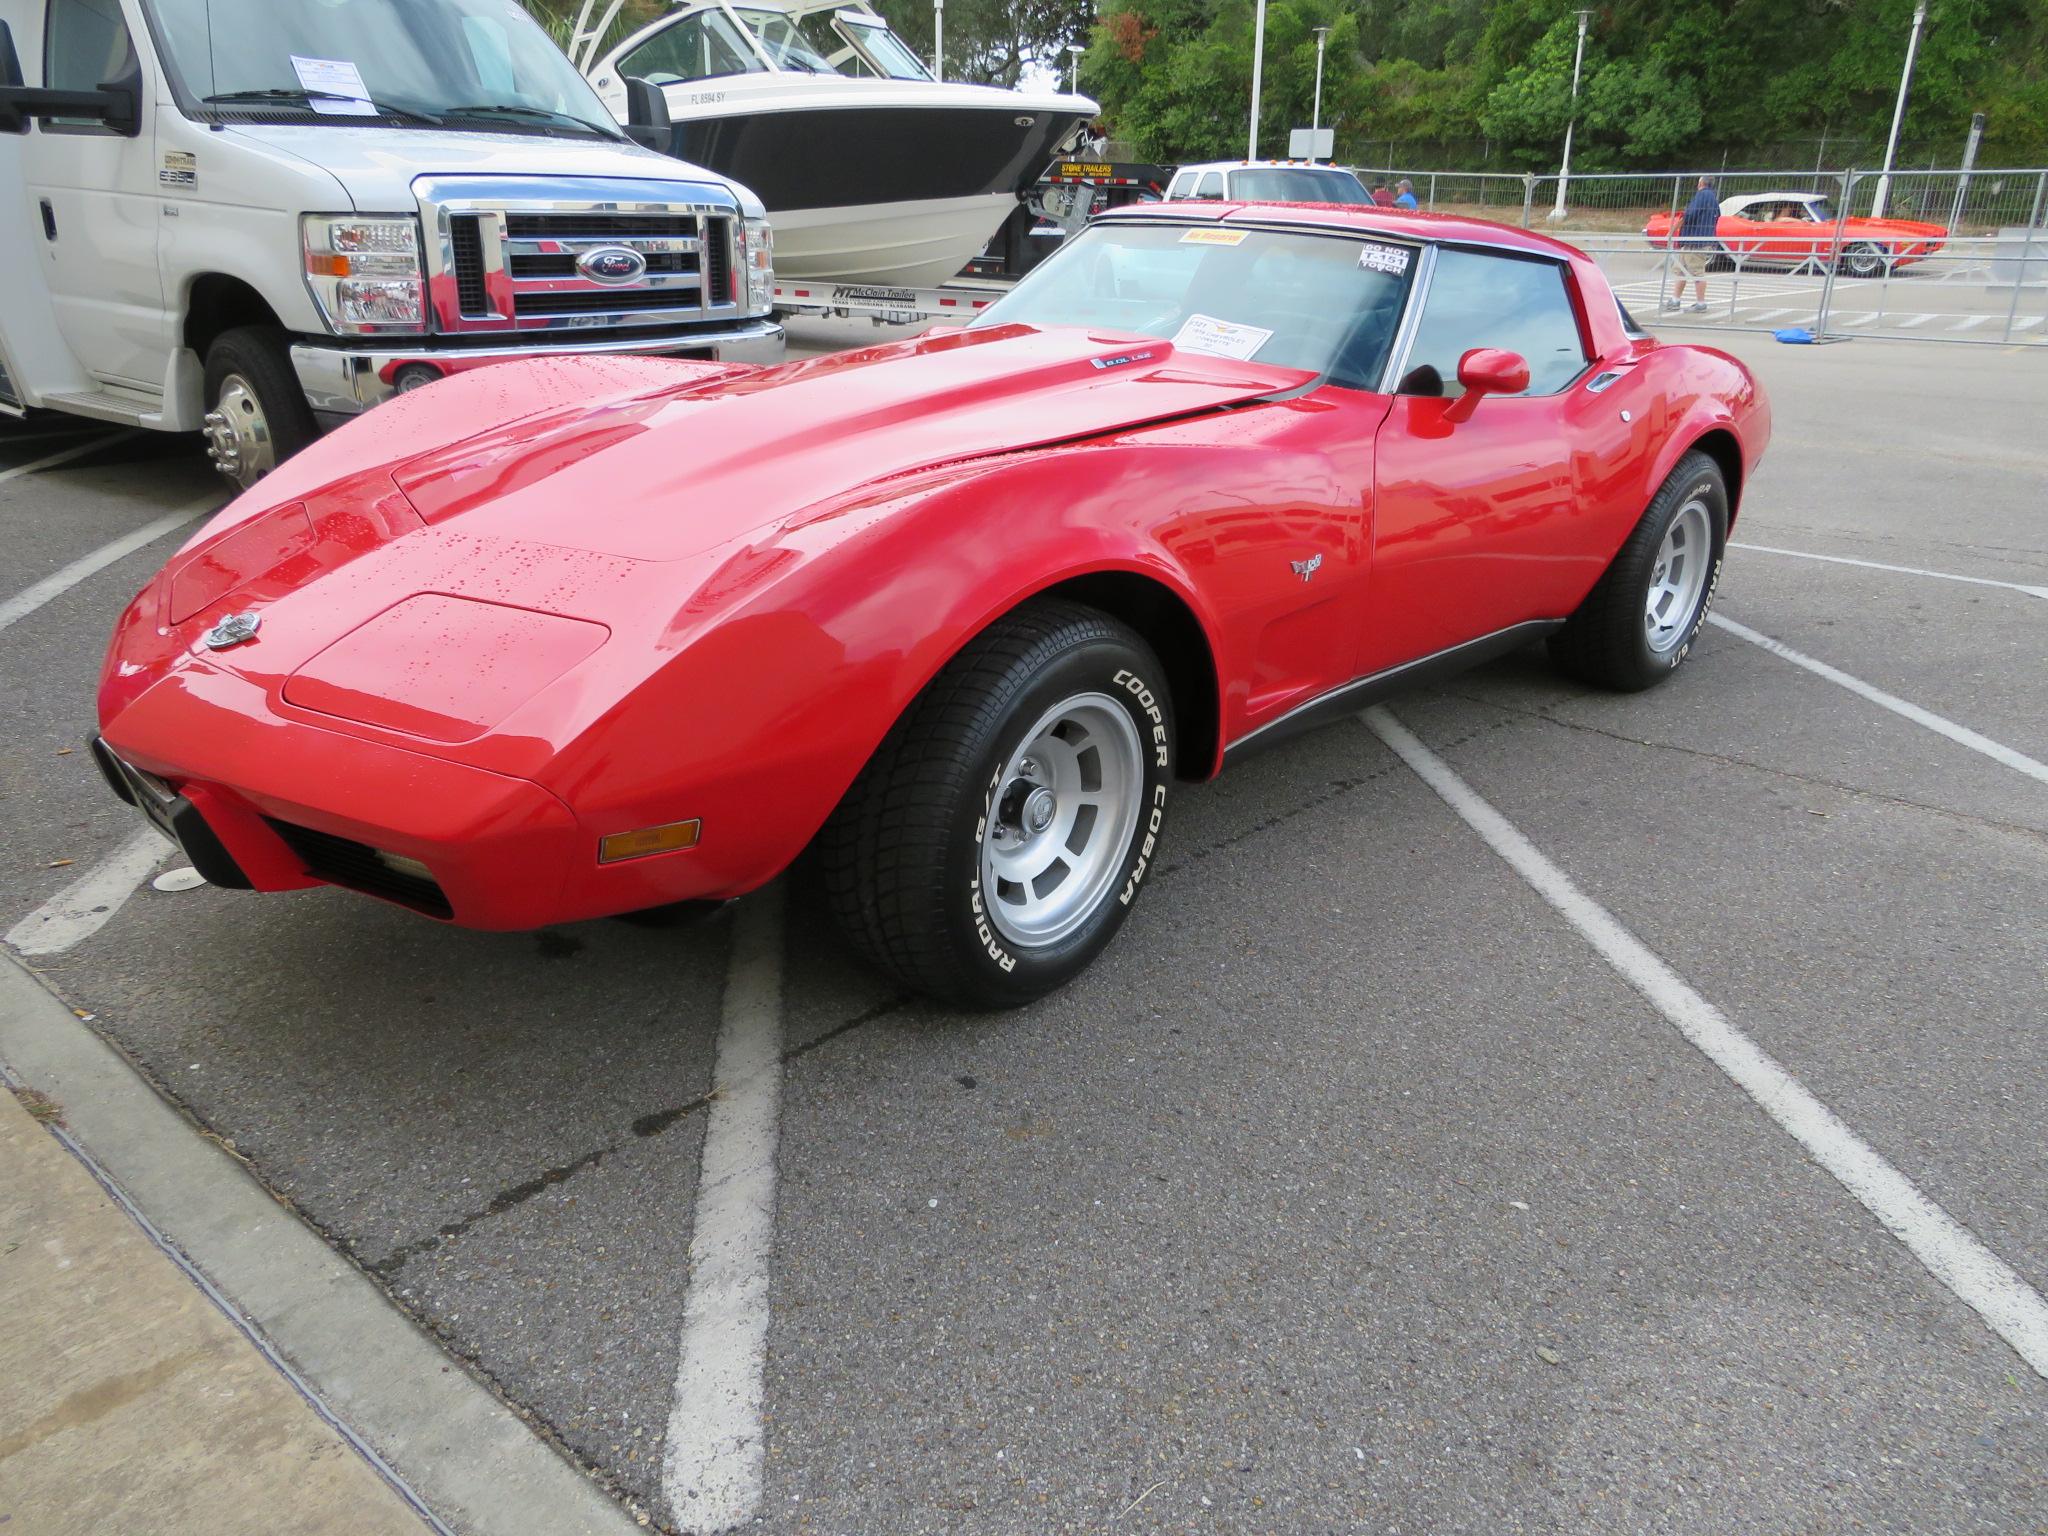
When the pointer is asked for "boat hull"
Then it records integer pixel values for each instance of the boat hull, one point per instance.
(918, 244)
(899, 194)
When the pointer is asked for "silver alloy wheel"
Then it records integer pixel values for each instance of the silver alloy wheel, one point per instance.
(1068, 800)
(1678, 582)
(238, 433)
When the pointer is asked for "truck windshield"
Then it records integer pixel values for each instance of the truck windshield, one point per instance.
(473, 64)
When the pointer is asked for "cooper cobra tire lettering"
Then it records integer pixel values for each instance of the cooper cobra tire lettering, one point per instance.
(1136, 686)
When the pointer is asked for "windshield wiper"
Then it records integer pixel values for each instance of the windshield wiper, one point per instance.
(496, 109)
(306, 98)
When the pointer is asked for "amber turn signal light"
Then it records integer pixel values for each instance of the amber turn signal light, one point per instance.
(321, 264)
(635, 845)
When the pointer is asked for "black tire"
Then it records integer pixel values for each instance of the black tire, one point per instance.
(1721, 261)
(902, 859)
(256, 413)
(1613, 639)
(1864, 260)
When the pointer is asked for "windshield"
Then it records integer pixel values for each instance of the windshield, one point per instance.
(884, 49)
(1292, 184)
(474, 64)
(783, 42)
(1326, 304)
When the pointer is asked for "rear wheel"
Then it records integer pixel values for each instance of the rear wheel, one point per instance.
(1638, 624)
(995, 842)
(256, 414)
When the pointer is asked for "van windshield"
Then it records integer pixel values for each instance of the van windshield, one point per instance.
(469, 64)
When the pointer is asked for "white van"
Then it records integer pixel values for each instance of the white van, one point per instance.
(262, 217)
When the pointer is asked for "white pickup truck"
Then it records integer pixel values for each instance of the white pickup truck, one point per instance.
(262, 217)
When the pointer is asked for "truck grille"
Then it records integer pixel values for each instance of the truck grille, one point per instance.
(339, 861)
(467, 240)
(505, 259)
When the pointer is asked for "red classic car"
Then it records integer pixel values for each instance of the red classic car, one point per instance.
(1792, 229)
(575, 637)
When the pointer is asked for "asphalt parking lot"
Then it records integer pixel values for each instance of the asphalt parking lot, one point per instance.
(1353, 1190)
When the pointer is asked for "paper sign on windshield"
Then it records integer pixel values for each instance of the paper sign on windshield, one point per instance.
(1219, 338)
(1214, 237)
(1384, 258)
(326, 80)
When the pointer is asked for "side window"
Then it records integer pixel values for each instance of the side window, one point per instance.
(699, 48)
(85, 42)
(1183, 186)
(1212, 185)
(1480, 300)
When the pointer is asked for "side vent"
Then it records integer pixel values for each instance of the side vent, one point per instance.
(465, 237)
(718, 262)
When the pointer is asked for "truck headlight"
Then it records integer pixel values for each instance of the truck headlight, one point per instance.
(365, 273)
(760, 264)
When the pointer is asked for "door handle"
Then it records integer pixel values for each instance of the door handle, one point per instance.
(49, 220)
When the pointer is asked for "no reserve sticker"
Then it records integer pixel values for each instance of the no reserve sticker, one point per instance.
(1384, 258)
(1220, 338)
(1214, 237)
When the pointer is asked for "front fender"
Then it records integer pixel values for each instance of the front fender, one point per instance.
(800, 650)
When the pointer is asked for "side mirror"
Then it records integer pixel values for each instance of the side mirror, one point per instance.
(647, 121)
(1487, 371)
(117, 103)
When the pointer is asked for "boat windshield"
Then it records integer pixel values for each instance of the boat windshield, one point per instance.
(784, 42)
(882, 48)
(474, 64)
(1327, 304)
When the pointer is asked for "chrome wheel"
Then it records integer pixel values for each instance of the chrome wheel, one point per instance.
(238, 436)
(1053, 843)
(1678, 581)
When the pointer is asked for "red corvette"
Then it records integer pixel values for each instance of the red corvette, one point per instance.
(568, 638)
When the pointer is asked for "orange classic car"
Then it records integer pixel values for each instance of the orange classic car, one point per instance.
(1797, 229)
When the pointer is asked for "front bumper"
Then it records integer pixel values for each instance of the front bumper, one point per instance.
(346, 381)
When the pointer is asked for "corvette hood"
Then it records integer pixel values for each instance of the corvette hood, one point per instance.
(663, 476)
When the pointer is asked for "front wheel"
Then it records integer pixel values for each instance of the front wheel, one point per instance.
(1864, 260)
(1638, 624)
(256, 413)
(995, 842)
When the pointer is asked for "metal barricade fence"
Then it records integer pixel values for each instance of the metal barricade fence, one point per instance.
(1926, 255)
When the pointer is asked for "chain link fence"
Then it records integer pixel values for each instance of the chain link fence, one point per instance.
(1929, 255)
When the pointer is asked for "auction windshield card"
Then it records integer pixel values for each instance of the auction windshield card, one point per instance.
(1220, 338)
(326, 80)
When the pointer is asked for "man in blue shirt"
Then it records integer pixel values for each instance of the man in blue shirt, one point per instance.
(1698, 239)
(1404, 194)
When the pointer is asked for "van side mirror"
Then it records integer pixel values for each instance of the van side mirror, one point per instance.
(647, 121)
(1487, 371)
(117, 103)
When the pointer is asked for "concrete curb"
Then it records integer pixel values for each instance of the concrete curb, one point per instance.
(466, 1454)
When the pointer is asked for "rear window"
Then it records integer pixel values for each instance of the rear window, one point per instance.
(1296, 184)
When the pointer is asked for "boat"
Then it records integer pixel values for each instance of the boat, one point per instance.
(873, 173)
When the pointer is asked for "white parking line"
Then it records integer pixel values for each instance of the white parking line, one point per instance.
(1911, 321)
(84, 906)
(1998, 752)
(57, 583)
(1951, 1252)
(66, 455)
(712, 1459)
(1904, 570)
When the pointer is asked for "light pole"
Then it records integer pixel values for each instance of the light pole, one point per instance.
(1564, 174)
(1074, 52)
(1891, 145)
(1258, 68)
(938, 39)
(1315, 121)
